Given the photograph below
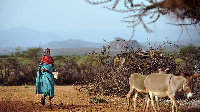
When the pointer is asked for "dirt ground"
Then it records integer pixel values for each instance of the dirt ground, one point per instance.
(67, 98)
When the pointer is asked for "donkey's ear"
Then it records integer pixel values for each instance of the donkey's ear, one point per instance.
(195, 75)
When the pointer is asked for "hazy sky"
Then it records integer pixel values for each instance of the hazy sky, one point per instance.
(79, 20)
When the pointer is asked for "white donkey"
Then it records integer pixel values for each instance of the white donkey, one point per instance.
(162, 85)
(136, 82)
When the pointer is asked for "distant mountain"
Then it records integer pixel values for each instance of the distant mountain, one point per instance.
(71, 43)
(120, 43)
(80, 47)
(25, 37)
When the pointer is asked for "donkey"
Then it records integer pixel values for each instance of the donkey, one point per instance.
(162, 85)
(136, 82)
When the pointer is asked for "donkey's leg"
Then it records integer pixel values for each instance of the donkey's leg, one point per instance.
(128, 97)
(147, 103)
(135, 98)
(156, 97)
(174, 102)
(152, 102)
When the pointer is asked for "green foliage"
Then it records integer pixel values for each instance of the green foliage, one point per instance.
(4, 56)
(77, 69)
(178, 61)
(69, 71)
(190, 51)
(97, 100)
(187, 58)
(92, 60)
(20, 67)
(25, 86)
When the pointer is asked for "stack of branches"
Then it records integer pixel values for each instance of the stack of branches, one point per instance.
(114, 80)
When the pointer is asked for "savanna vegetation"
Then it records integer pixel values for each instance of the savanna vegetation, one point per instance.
(104, 74)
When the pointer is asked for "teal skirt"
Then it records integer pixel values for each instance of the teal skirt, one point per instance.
(45, 80)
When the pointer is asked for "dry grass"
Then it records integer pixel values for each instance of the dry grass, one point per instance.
(19, 98)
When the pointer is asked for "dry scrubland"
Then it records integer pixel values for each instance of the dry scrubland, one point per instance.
(67, 98)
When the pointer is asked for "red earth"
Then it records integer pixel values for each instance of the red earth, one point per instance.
(67, 98)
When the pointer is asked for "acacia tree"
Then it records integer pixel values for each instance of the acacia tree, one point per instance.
(187, 12)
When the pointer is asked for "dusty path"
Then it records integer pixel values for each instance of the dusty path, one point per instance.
(18, 98)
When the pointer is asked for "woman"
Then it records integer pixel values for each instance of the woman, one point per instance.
(45, 78)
